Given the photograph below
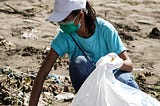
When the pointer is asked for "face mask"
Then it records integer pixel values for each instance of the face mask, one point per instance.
(69, 27)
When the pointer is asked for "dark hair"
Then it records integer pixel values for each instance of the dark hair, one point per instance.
(90, 17)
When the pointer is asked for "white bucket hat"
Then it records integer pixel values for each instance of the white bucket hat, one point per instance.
(62, 8)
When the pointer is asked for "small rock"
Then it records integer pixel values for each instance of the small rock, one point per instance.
(1, 38)
(141, 76)
(155, 33)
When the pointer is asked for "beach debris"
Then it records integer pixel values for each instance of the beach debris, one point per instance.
(5, 70)
(10, 48)
(29, 51)
(1, 38)
(15, 87)
(6, 44)
(155, 33)
(26, 32)
(144, 22)
(65, 97)
(13, 10)
(57, 78)
(125, 36)
(125, 31)
(141, 77)
(127, 27)
(27, 35)
(30, 34)
(152, 89)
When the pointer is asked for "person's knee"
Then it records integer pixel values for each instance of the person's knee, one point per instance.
(77, 63)
(80, 60)
(128, 79)
(125, 77)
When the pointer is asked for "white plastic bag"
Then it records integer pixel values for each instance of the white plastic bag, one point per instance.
(102, 89)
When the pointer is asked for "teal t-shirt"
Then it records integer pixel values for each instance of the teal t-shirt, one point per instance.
(104, 40)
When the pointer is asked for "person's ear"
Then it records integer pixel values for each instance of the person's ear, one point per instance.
(79, 17)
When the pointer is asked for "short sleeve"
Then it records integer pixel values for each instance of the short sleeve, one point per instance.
(59, 44)
(114, 42)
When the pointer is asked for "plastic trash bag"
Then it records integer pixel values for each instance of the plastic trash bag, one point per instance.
(101, 88)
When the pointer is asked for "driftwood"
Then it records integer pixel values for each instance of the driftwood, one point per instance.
(16, 11)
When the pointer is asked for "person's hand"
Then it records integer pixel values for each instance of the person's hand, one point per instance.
(111, 61)
(114, 61)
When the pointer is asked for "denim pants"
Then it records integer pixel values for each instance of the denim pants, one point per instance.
(80, 68)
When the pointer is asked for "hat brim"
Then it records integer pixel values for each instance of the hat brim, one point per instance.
(57, 16)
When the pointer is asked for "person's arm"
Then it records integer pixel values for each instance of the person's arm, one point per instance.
(127, 64)
(40, 78)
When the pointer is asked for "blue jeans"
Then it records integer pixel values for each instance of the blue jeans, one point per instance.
(80, 68)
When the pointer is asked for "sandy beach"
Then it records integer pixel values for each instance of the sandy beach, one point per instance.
(25, 36)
